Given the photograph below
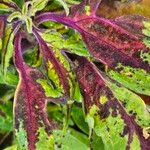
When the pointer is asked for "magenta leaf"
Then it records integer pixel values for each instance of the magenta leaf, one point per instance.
(30, 100)
(106, 39)
(115, 121)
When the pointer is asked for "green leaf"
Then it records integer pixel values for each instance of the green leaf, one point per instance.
(67, 141)
(5, 8)
(96, 142)
(146, 57)
(13, 147)
(80, 136)
(77, 93)
(45, 142)
(73, 44)
(78, 117)
(21, 138)
(38, 5)
(49, 89)
(29, 24)
(11, 78)
(109, 130)
(135, 79)
(7, 48)
(6, 117)
(132, 103)
(14, 15)
(146, 24)
(19, 2)
(146, 42)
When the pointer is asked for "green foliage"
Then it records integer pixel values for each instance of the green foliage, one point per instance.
(21, 138)
(44, 141)
(132, 101)
(6, 120)
(135, 79)
(38, 5)
(19, 3)
(72, 44)
(7, 48)
(49, 89)
(67, 141)
(79, 119)
(146, 31)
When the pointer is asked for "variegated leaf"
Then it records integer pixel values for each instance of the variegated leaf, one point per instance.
(29, 102)
(118, 119)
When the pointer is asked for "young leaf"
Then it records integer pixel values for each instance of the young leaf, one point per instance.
(63, 3)
(7, 6)
(38, 5)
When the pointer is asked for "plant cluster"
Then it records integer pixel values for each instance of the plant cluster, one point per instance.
(78, 80)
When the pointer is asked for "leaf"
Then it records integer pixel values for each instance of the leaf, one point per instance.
(49, 89)
(8, 47)
(78, 118)
(38, 5)
(44, 141)
(135, 79)
(21, 137)
(105, 45)
(29, 108)
(13, 16)
(114, 43)
(57, 72)
(105, 39)
(14, 147)
(6, 120)
(97, 143)
(2, 25)
(29, 24)
(146, 32)
(72, 44)
(7, 6)
(19, 2)
(63, 3)
(119, 120)
(2, 29)
(67, 141)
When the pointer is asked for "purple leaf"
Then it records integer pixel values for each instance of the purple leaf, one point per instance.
(108, 41)
(97, 91)
(30, 100)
